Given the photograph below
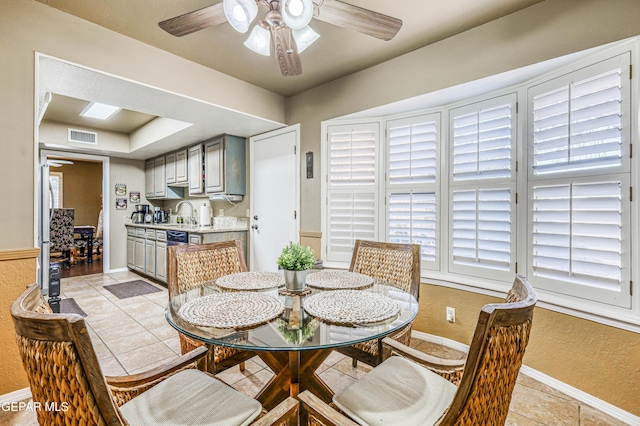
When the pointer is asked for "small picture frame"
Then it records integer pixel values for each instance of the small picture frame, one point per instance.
(121, 190)
(121, 203)
(134, 197)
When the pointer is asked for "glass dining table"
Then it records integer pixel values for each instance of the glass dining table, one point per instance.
(293, 333)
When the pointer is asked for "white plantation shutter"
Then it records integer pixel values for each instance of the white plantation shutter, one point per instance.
(413, 150)
(579, 214)
(352, 155)
(482, 138)
(412, 220)
(482, 228)
(352, 193)
(579, 126)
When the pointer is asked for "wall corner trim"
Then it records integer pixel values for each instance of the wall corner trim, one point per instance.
(19, 254)
(575, 393)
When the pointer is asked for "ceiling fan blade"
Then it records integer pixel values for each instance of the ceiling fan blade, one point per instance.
(286, 52)
(356, 18)
(194, 21)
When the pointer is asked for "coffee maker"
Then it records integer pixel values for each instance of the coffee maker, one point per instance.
(159, 216)
(138, 215)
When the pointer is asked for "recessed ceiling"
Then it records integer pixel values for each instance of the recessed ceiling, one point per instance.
(337, 53)
(65, 109)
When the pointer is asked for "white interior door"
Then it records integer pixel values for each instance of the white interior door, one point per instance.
(275, 199)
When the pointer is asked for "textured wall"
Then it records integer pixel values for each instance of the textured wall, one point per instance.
(16, 274)
(82, 190)
(600, 360)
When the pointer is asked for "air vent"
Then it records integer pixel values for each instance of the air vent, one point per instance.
(82, 136)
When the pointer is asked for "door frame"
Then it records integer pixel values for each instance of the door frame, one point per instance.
(295, 128)
(106, 199)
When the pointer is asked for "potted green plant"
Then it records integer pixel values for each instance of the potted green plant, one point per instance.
(296, 260)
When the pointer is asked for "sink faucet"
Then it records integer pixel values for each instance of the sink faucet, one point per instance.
(191, 217)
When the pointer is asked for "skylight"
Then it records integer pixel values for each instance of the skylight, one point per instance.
(99, 111)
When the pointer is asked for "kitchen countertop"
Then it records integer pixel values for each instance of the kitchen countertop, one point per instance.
(239, 226)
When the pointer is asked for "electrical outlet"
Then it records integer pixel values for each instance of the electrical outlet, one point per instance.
(451, 314)
(220, 212)
(247, 213)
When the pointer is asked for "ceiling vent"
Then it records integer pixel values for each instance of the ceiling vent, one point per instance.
(82, 136)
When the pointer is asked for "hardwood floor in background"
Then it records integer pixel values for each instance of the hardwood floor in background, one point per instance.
(82, 268)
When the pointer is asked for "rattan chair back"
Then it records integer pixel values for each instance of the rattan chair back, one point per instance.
(494, 360)
(63, 371)
(192, 265)
(393, 264)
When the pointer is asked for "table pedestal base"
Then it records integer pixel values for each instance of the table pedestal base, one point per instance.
(294, 373)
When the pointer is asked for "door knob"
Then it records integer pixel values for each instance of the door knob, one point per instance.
(254, 226)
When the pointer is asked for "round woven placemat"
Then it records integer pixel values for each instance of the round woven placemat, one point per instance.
(251, 281)
(350, 307)
(334, 280)
(231, 310)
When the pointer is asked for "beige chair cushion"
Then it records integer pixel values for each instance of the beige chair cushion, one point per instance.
(397, 392)
(194, 398)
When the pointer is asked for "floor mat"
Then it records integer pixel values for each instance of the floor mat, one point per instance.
(70, 306)
(131, 289)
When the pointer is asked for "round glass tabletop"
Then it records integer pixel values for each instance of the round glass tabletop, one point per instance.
(295, 329)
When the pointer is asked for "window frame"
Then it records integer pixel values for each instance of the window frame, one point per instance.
(60, 198)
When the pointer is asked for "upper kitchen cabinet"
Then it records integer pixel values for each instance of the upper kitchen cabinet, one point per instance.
(156, 181)
(218, 166)
(196, 171)
(225, 165)
(176, 168)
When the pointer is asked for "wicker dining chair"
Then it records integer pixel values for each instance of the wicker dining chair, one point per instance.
(414, 388)
(68, 386)
(397, 265)
(193, 265)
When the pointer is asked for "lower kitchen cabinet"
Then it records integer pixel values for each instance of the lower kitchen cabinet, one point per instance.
(150, 258)
(131, 252)
(139, 255)
(161, 261)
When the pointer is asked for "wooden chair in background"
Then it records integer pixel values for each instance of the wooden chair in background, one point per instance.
(415, 388)
(191, 266)
(67, 382)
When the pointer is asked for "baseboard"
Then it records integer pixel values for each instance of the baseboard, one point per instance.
(569, 390)
(113, 271)
(15, 396)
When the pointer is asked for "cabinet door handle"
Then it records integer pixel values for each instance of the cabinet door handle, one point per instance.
(254, 226)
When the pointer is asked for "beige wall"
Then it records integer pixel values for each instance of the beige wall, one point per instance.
(33, 27)
(82, 190)
(17, 272)
(600, 360)
(547, 30)
(131, 173)
(52, 132)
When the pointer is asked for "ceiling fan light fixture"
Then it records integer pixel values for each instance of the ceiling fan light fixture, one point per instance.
(259, 41)
(296, 14)
(305, 37)
(240, 13)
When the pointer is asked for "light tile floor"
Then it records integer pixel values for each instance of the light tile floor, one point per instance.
(131, 335)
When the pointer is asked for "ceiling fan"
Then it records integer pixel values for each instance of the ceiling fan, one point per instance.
(287, 22)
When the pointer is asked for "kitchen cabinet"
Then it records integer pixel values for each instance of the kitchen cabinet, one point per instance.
(150, 258)
(225, 165)
(131, 247)
(156, 181)
(159, 178)
(139, 251)
(176, 168)
(149, 189)
(196, 185)
(161, 261)
(216, 237)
